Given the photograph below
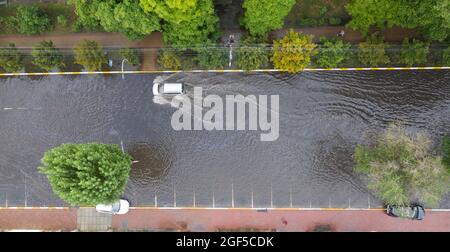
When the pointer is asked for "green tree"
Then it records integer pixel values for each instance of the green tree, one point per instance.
(47, 57)
(373, 52)
(11, 60)
(212, 57)
(125, 16)
(262, 16)
(62, 20)
(293, 53)
(414, 53)
(87, 174)
(331, 52)
(31, 20)
(432, 17)
(446, 57)
(251, 54)
(400, 169)
(132, 56)
(169, 60)
(446, 152)
(90, 55)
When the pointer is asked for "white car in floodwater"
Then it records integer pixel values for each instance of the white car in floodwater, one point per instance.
(119, 207)
(168, 88)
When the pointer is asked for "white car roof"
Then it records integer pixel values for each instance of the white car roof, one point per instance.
(173, 88)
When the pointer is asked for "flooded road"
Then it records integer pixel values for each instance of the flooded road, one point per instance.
(322, 117)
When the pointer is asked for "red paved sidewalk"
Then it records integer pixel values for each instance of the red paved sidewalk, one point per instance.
(38, 219)
(281, 220)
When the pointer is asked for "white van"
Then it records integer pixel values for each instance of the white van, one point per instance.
(168, 88)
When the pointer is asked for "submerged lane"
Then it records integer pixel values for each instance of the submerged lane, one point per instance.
(322, 117)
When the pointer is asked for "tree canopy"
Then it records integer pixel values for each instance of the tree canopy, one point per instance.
(11, 59)
(331, 52)
(251, 54)
(87, 174)
(46, 56)
(372, 52)
(262, 16)
(31, 20)
(400, 169)
(125, 16)
(90, 55)
(212, 56)
(432, 17)
(293, 52)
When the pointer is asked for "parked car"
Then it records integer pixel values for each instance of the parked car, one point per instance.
(119, 207)
(168, 88)
(415, 212)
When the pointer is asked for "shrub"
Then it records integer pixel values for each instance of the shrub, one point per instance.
(331, 52)
(31, 20)
(335, 21)
(413, 53)
(446, 152)
(62, 20)
(87, 174)
(169, 60)
(11, 60)
(251, 55)
(132, 56)
(373, 52)
(90, 55)
(46, 56)
(401, 170)
(212, 57)
(446, 57)
(293, 52)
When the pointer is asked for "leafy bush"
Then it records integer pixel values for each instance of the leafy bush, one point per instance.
(87, 174)
(373, 52)
(11, 60)
(414, 53)
(251, 55)
(62, 20)
(90, 55)
(446, 152)
(446, 57)
(132, 56)
(293, 52)
(46, 56)
(31, 20)
(335, 21)
(401, 170)
(169, 60)
(307, 22)
(331, 52)
(212, 57)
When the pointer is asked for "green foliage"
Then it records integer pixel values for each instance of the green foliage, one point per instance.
(169, 60)
(90, 55)
(414, 53)
(331, 52)
(251, 54)
(293, 52)
(62, 20)
(125, 16)
(446, 57)
(172, 11)
(132, 56)
(47, 57)
(446, 152)
(262, 16)
(373, 52)
(87, 174)
(401, 170)
(335, 21)
(11, 60)
(432, 17)
(212, 57)
(31, 20)
(200, 28)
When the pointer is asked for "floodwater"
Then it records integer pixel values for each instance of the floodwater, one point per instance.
(322, 117)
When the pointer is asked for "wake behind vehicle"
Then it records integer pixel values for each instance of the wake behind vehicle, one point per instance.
(168, 88)
(119, 207)
(414, 212)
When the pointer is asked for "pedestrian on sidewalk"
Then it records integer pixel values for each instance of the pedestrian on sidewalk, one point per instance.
(341, 33)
